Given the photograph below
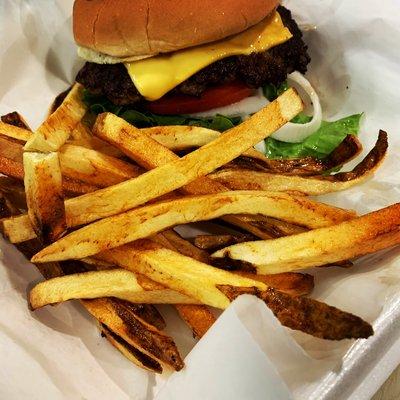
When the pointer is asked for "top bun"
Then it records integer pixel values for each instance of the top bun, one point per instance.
(137, 28)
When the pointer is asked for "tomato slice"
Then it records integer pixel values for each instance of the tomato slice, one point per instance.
(219, 96)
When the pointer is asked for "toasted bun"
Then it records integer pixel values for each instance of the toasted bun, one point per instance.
(130, 28)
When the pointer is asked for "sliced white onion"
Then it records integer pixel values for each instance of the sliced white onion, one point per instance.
(295, 133)
(242, 108)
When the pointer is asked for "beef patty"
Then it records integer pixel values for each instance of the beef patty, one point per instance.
(254, 70)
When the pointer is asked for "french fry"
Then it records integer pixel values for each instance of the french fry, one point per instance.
(44, 195)
(14, 189)
(238, 179)
(118, 283)
(149, 220)
(181, 137)
(171, 176)
(93, 167)
(198, 318)
(210, 286)
(14, 132)
(216, 242)
(150, 341)
(55, 131)
(15, 119)
(291, 283)
(363, 235)
(127, 316)
(131, 353)
(308, 315)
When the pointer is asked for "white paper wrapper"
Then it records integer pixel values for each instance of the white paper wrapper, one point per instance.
(57, 352)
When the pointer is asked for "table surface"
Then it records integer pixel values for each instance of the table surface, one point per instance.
(391, 388)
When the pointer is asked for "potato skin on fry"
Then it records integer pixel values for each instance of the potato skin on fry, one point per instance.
(308, 315)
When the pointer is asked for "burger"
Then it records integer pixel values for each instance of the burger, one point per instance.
(205, 63)
(183, 57)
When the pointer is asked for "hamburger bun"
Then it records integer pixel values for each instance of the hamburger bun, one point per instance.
(139, 28)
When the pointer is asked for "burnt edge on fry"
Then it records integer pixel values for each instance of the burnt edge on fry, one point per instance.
(149, 337)
(374, 157)
(147, 361)
(307, 315)
(307, 166)
(13, 118)
(145, 312)
(229, 264)
(213, 243)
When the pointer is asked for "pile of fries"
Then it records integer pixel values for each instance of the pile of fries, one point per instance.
(94, 205)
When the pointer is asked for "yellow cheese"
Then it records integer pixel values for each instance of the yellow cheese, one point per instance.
(155, 76)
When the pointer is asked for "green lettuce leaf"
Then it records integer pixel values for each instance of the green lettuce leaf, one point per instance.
(144, 119)
(318, 145)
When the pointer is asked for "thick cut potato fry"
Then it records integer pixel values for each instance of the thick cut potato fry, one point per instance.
(131, 353)
(14, 132)
(93, 167)
(55, 131)
(291, 283)
(155, 183)
(15, 119)
(200, 281)
(146, 221)
(242, 179)
(308, 315)
(150, 341)
(150, 154)
(198, 318)
(113, 310)
(167, 267)
(171, 176)
(181, 137)
(363, 235)
(44, 195)
(118, 283)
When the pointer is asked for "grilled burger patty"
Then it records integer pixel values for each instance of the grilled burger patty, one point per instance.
(254, 70)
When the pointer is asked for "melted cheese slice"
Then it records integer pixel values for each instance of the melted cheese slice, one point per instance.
(155, 76)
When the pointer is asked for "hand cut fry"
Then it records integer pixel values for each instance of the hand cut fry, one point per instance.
(308, 315)
(181, 137)
(44, 195)
(146, 221)
(14, 119)
(242, 179)
(117, 283)
(119, 198)
(93, 167)
(131, 353)
(55, 131)
(203, 282)
(363, 235)
(199, 318)
(217, 242)
(14, 132)
(150, 341)
(150, 154)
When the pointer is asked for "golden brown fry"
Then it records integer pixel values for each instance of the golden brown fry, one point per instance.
(199, 318)
(291, 283)
(146, 221)
(181, 137)
(93, 167)
(117, 283)
(14, 132)
(44, 195)
(308, 315)
(200, 281)
(363, 235)
(242, 179)
(178, 272)
(131, 353)
(55, 131)
(136, 332)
